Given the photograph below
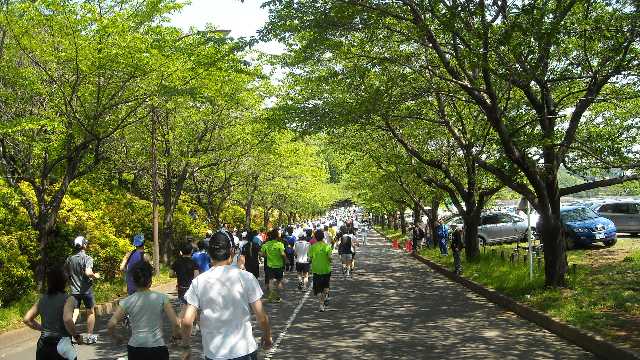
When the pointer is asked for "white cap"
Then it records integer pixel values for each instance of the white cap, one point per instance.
(79, 241)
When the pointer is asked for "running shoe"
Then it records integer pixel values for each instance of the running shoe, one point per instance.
(91, 339)
(322, 308)
(125, 321)
(299, 285)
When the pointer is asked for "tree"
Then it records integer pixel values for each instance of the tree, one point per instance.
(534, 70)
(201, 119)
(73, 75)
(438, 130)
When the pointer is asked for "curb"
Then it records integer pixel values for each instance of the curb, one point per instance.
(588, 341)
(21, 334)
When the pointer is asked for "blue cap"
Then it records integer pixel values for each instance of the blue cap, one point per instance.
(138, 240)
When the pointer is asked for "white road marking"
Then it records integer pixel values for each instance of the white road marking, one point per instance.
(292, 318)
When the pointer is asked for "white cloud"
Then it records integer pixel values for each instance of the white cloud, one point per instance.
(244, 19)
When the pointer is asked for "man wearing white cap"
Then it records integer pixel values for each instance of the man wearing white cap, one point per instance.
(79, 268)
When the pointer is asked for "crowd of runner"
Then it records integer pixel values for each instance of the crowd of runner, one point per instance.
(218, 287)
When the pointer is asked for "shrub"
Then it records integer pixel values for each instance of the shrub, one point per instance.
(233, 214)
(16, 278)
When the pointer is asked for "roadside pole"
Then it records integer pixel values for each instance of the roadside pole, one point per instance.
(529, 241)
(154, 179)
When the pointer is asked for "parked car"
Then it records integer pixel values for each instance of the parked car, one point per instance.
(624, 214)
(496, 227)
(583, 226)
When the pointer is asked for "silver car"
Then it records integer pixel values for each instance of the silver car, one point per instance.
(496, 227)
(624, 214)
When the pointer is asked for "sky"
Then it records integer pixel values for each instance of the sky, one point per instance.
(242, 18)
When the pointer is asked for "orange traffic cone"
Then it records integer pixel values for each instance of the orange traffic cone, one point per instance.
(408, 246)
(395, 245)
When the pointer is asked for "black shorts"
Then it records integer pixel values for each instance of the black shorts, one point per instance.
(302, 267)
(47, 349)
(321, 282)
(272, 273)
(143, 353)
(86, 299)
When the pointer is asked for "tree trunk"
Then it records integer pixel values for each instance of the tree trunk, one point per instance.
(433, 217)
(417, 211)
(266, 217)
(167, 236)
(247, 213)
(555, 256)
(45, 229)
(167, 218)
(471, 244)
(403, 221)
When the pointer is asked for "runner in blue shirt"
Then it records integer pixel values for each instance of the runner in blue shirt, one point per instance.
(291, 241)
(202, 258)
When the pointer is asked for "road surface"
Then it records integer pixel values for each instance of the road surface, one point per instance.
(393, 308)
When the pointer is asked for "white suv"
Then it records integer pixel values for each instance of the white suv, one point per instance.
(496, 227)
(624, 214)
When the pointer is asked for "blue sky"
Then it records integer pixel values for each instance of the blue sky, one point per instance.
(242, 18)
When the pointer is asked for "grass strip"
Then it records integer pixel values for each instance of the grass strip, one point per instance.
(602, 296)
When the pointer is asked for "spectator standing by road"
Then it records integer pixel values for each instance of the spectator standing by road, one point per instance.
(145, 309)
(442, 234)
(457, 244)
(79, 268)
(225, 322)
(56, 320)
(428, 236)
(417, 234)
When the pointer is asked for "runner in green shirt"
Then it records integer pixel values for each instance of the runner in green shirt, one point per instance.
(320, 254)
(273, 250)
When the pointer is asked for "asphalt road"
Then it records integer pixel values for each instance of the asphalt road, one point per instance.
(393, 308)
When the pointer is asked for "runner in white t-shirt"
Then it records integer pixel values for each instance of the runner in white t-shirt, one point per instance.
(301, 251)
(224, 295)
(327, 236)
